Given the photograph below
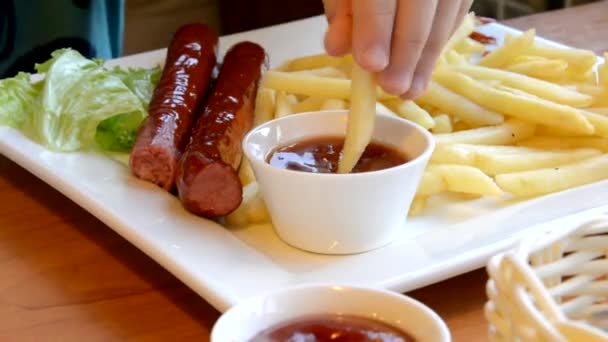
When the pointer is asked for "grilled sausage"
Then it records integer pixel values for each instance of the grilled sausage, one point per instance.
(191, 58)
(207, 183)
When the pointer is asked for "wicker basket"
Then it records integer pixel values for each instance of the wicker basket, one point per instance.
(552, 287)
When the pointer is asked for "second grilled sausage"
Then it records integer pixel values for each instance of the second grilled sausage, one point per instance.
(207, 182)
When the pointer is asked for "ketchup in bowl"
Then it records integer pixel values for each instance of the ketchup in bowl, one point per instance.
(321, 155)
(334, 328)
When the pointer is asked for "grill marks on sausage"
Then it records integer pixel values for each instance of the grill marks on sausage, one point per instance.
(191, 58)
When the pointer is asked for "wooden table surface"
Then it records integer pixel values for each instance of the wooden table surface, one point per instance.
(65, 276)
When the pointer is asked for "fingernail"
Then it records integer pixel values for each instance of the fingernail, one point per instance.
(392, 84)
(376, 58)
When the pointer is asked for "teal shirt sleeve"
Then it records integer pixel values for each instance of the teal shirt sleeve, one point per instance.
(31, 30)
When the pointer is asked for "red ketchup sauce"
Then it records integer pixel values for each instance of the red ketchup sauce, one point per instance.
(332, 328)
(322, 154)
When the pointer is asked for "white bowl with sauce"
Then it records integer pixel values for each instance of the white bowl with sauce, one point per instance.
(263, 316)
(332, 213)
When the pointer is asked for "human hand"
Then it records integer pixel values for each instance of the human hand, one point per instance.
(400, 40)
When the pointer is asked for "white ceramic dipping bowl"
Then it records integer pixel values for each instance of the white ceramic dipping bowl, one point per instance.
(250, 317)
(338, 213)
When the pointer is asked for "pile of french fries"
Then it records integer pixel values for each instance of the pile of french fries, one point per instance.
(522, 120)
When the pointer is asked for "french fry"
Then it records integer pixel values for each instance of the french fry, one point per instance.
(579, 59)
(418, 205)
(382, 109)
(495, 163)
(549, 180)
(493, 160)
(246, 174)
(252, 209)
(456, 178)
(598, 110)
(331, 104)
(589, 89)
(459, 125)
(316, 62)
(507, 133)
(458, 106)
(467, 154)
(360, 126)
(284, 104)
(462, 32)
(603, 71)
(469, 46)
(328, 71)
(540, 88)
(516, 105)
(309, 104)
(443, 124)
(551, 131)
(453, 57)
(264, 106)
(599, 122)
(411, 111)
(545, 142)
(310, 85)
(511, 48)
(545, 69)
(452, 154)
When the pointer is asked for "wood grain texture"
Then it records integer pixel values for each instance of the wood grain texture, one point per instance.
(68, 277)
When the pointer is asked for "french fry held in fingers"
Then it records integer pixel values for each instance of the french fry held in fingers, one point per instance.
(507, 133)
(360, 124)
(516, 105)
(548, 180)
(459, 106)
(540, 88)
(456, 178)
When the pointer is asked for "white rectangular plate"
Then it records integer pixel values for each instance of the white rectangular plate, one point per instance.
(225, 266)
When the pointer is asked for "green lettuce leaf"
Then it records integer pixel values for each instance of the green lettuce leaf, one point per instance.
(77, 95)
(118, 133)
(79, 104)
(140, 81)
(17, 98)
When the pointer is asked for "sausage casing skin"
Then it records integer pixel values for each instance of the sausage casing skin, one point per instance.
(191, 58)
(207, 182)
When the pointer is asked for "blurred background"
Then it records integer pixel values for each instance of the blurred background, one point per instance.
(150, 24)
